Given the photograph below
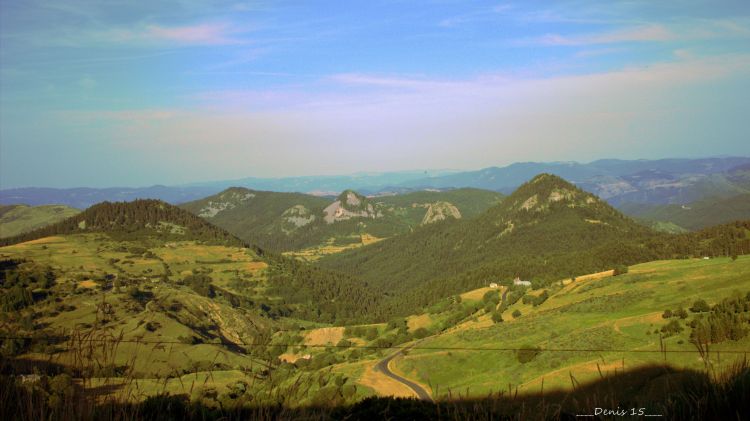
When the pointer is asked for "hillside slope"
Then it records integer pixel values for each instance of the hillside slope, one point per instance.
(18, 219)
(546, 230)
(618, 323)
(134, 220)
(301, 290)
(294, 221)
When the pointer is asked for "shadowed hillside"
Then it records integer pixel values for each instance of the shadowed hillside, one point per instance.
(658, 390)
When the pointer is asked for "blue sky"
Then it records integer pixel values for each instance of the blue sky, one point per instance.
(137, 93)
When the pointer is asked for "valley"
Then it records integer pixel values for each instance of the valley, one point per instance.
(414, 210)
(545, 289)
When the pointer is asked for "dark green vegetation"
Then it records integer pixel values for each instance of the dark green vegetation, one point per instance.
(294, 221)
(696, 215)
(258, 216)
(18, 219)
(133, 221)
(546, 230)
(728, 320)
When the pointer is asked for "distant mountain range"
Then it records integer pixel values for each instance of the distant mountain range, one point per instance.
(83, 197)
(619, 182)
(696, 215)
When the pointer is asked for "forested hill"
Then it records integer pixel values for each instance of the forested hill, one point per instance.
(261, 218)
(546, 230)
(133, 221)
(294, 221)
(542, 220)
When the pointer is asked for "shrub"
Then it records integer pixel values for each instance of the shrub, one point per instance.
(396, 323)
(527, 353)
(491, 297)
(201, 284)
(541, 298)
(348, 390)
(671, 328)
(489, 307)
(700, 306)
(16, 298)
(371, 333)
(497, 317)
(421, 333)
(516, 313)
(152, 326)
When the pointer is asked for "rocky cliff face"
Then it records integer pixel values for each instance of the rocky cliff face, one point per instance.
(440, 211)
(349, 205)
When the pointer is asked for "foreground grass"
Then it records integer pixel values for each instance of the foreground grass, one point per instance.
(658, 390)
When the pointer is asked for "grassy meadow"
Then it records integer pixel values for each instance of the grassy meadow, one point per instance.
(603, 315)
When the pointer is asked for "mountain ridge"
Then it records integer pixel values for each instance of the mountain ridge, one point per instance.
(142, 217)
(610, 179)
(547, 229)
(294, 221)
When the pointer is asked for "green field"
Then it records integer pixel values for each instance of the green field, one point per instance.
(18, 219)
(607, 315)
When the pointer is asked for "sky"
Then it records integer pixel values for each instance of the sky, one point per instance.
(135, 93)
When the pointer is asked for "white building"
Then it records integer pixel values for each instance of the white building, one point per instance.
(518, 281)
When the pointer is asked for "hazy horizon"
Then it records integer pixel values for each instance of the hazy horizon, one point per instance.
(428, 172)
(182, 92)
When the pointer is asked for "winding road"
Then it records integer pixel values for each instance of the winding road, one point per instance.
(382, 366)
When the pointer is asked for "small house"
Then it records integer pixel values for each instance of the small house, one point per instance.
(518, 281)
(493, 285)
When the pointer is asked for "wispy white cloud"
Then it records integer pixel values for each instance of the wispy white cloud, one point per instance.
(355, 121)
(688, 30)
(220, 33)
(638, 34)
(595, 52)
(476, 16)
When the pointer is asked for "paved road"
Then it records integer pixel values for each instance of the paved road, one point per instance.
(382, 366)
